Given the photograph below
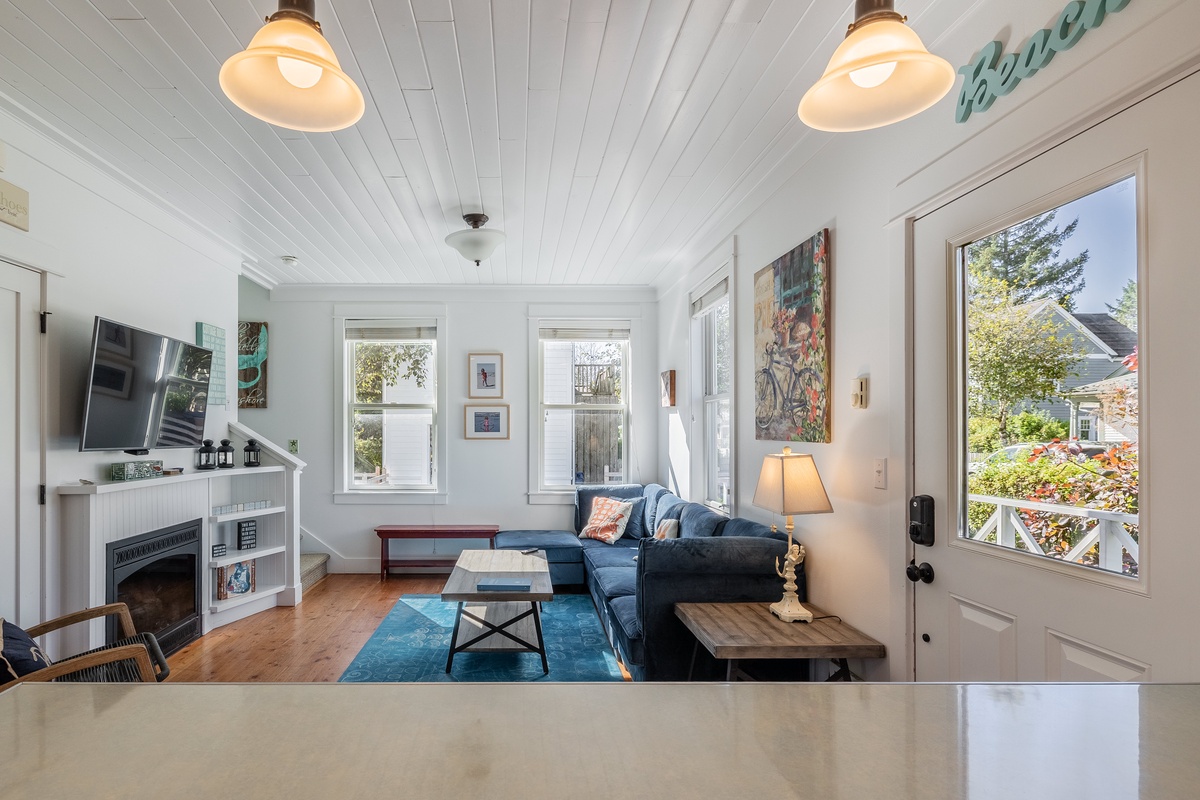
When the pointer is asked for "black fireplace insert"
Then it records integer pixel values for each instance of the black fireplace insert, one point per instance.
(157, 574)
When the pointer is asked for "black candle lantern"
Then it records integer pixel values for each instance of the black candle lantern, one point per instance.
(225, 455)
(206, 456)
(251, 454)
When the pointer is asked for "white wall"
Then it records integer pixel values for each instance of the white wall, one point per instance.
(488, 480)
(114, 254)
(861, 186)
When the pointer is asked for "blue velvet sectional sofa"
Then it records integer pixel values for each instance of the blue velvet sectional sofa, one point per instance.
(636, 582)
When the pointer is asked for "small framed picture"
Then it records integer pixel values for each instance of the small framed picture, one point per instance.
(114, 338)
(113, 377)
(485, 422)
(487, 375)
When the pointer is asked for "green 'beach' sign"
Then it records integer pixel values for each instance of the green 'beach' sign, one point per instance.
(989, 76)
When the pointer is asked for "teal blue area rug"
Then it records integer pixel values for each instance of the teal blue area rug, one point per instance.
(412, 642)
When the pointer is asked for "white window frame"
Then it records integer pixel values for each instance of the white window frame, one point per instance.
(715, 290)
(606, 318)
(343, 489)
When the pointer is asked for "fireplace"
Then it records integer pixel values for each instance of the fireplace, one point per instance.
(157, 574)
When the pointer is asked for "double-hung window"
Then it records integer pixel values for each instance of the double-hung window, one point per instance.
(715, 345)
(391, 415)
(583, 405)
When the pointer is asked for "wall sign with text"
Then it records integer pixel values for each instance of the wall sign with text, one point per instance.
(14, 206)
(990, 76)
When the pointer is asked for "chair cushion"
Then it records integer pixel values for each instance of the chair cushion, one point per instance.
(597, 557)
(627, 630)
(560, 546)
(20, 655)
(615, 581)
(609, 519)
(697, 521)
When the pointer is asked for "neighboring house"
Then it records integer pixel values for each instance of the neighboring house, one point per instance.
(1105, 343)
(1088, 420)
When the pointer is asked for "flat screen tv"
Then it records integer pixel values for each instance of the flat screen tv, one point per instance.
(144, 390)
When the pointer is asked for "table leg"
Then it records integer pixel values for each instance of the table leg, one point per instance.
(730, 670)
(537, 625)
(842, 673)
(692, 665)
(383, 558)
(454, 637)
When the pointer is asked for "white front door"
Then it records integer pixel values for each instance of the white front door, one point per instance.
(1003, 613)
(22, 544)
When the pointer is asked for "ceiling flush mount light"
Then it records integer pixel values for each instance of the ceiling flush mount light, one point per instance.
(880, 74)
(289, 75)
(476, 243)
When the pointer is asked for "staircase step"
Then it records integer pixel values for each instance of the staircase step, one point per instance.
(313, 567)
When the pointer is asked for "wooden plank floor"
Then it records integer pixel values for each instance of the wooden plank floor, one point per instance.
(312, 642)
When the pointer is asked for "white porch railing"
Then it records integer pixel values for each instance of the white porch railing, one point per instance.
(1108, 531)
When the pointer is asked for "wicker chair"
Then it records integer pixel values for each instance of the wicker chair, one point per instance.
(134, 658)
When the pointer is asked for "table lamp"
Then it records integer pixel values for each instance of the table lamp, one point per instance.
(789, 484)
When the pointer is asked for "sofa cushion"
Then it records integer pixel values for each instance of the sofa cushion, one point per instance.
(668, 507)
(615, 581)
(20, 655)
(560, 546)
(627, 630)
(616, 556)
(653, 493)
(744, 527)
(697, 521)
(609, 519)
(585, 494)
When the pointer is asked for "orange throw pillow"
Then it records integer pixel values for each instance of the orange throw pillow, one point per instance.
(608, 520)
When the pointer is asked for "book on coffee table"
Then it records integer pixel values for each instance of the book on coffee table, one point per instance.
(503, 586)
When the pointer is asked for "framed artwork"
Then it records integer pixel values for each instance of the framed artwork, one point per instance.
(114, 338)
(666, 388)
(112, 377)
(487, 375)
(252, 365)
(485, 422)
(791, 345)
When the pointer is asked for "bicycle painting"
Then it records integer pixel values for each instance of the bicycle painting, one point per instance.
(791, 401)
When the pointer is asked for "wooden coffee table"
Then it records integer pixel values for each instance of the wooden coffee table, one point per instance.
(734, 631)
(497, 620)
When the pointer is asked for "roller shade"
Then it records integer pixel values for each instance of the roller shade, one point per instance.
(384, 330)
(616, 332)
(718, 292)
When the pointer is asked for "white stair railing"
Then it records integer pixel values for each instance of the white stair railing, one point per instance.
(1109, 530)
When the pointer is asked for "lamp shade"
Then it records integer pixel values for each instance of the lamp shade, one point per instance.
(789, 484)
(880, 74)
(290, 77)
(476, 243)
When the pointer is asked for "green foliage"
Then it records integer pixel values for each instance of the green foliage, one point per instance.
(1018, 479)
(1025, 258)
(1013, 356)
(1125, 309)
(1037, 426)
(379, 364)
(368, 442)
(983, 435)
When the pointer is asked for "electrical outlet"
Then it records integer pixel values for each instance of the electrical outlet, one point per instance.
(293, 446)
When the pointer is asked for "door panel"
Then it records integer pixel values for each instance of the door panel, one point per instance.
(1000, 614)
(21, 540)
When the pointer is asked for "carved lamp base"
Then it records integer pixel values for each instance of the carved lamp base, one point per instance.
(790, 609)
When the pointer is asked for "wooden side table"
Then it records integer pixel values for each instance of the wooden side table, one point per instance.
(735, 631)
(388, 532)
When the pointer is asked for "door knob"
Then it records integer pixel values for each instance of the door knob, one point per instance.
(922, 572)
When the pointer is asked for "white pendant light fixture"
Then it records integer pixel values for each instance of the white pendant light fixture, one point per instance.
(289, 75)
(476, 243)
(880, 74)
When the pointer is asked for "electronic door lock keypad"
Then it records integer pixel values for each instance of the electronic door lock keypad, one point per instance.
(920, 519)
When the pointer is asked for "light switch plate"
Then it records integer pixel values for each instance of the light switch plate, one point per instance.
(881, 473)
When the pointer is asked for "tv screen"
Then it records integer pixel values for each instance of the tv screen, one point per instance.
(144, 390)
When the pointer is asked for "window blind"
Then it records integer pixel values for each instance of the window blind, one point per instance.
(710, 298)
(613, 332)
(387, 330)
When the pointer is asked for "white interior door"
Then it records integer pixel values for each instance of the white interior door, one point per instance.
(21, 538)
(999, 613)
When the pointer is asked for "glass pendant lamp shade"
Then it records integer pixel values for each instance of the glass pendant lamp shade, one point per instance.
(476, 243)
(289, 76)
(880, 74)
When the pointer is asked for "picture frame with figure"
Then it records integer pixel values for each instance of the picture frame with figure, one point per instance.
(485, 422)
(486, 375)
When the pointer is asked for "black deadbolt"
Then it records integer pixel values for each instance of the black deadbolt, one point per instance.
(922, 572)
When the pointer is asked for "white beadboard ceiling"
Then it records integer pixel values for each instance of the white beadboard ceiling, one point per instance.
(602, 136)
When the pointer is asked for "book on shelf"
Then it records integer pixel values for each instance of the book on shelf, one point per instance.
(235, 579)
(247, 534)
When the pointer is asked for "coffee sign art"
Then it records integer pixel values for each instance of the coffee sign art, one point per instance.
(991, 76)
(14, 205)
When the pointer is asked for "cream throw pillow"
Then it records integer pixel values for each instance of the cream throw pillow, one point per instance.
(608, 520)
(667, 529)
